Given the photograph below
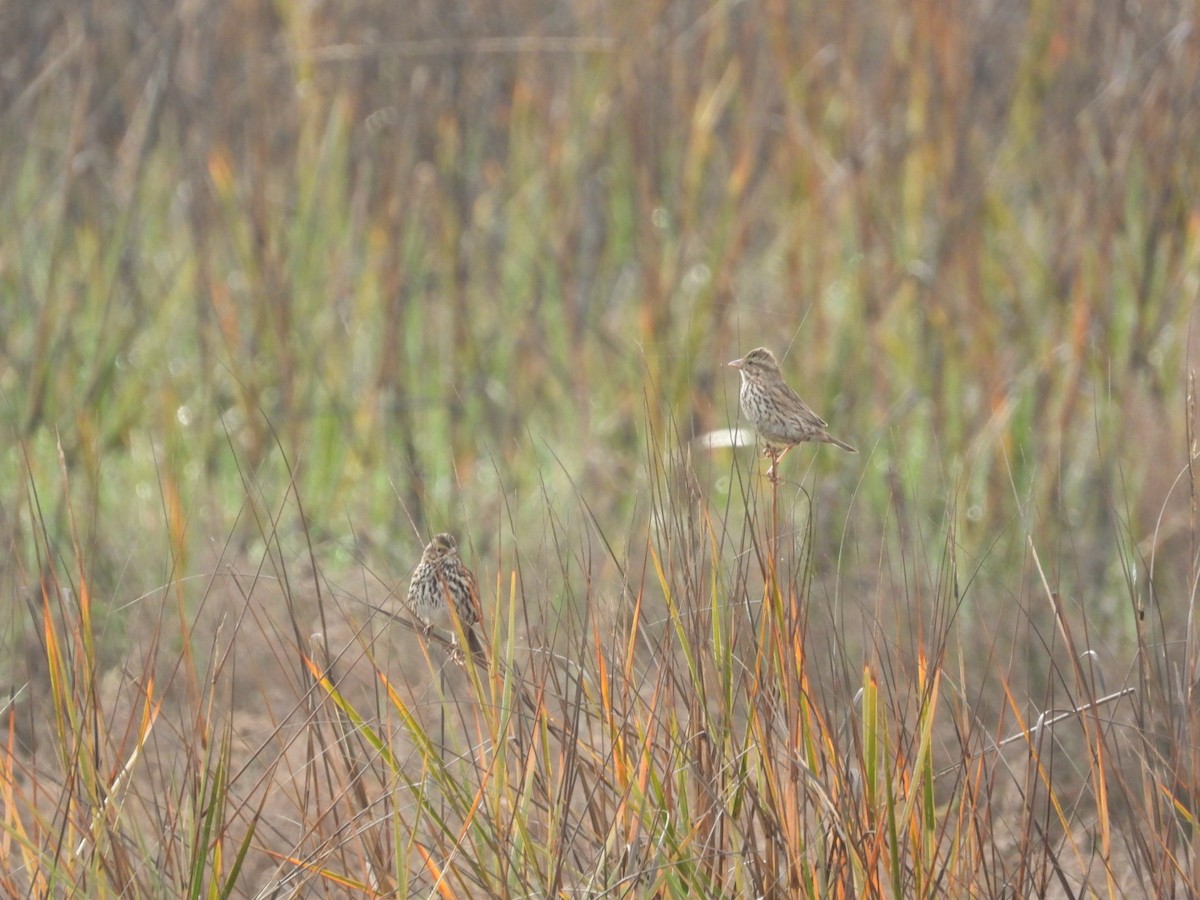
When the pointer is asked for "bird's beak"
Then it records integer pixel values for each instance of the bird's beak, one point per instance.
(735, 364)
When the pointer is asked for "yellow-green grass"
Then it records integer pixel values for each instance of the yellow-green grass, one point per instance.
(288, 289)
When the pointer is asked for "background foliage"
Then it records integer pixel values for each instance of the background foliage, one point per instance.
(288, 287)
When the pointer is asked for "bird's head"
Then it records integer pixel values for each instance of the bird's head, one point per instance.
(757, 364)
(441, 546)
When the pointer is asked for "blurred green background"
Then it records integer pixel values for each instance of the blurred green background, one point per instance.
(474, 266)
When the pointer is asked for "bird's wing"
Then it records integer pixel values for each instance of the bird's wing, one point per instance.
(805, 410)
(473, 589)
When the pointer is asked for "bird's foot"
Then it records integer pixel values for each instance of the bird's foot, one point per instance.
(777, 456)
(771, 475)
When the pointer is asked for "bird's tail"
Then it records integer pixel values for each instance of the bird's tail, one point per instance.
(831, 439)
(475, 645)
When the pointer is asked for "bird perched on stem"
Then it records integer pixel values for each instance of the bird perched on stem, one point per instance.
(776, 411)
(442, 581)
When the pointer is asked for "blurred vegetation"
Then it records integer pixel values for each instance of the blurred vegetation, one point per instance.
(431, 252)
(312, 281)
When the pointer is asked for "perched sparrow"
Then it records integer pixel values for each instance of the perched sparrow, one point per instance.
(441, 579)
(775, 410)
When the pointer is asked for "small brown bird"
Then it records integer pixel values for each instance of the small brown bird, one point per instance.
(775, 410)
(439, 580)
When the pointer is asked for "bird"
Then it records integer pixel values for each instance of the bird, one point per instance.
(775, 410)
(440, 580)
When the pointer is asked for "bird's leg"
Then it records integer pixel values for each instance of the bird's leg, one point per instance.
(777, 456)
